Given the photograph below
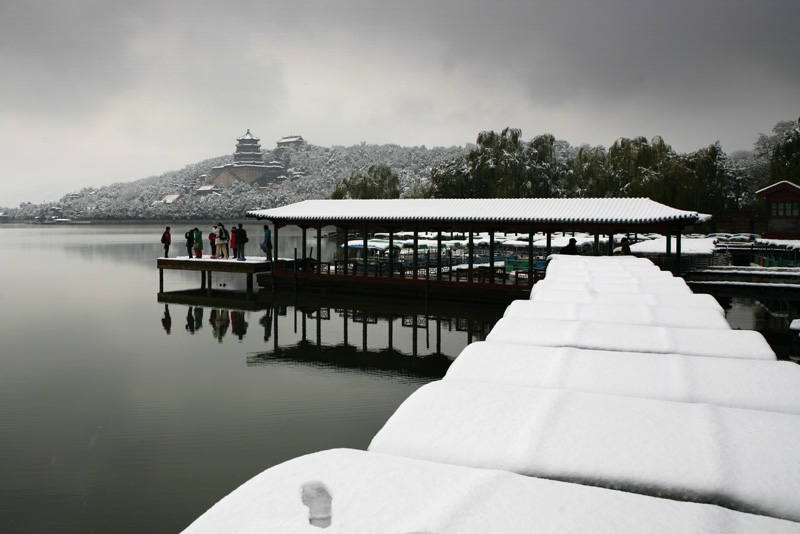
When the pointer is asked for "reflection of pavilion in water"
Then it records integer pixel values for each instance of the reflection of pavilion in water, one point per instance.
(395, 336)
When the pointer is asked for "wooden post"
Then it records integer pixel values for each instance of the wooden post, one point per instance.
(346, 249)
(209, 284)
(161, 280)
(596, 240)
(391, 253)
(249, 284)
(678, 250)
(319, 247)
(669, 251)
(491, 256)
(276, 251)
(470, 251)
(365, 254)
(415, 261)
(303, 246)
(439, 254)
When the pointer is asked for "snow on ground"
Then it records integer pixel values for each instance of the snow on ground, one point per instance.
(359, 492)
(688, 246)
(742, 459)
(648, 299)
(737, 383)
(248, 259)
(577, 276)
(632, 338)
(673, 286)
(791, 244)
(680, 316)
(599, 264)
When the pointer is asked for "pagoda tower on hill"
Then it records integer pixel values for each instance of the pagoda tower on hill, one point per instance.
(248, 165)
(248, 150)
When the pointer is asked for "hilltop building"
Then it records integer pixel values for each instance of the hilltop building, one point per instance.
(292, 141)
(248, 165)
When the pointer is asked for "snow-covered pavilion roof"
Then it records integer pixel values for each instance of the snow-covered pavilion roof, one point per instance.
(519, 210)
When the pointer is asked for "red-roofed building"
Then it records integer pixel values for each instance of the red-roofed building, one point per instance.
(783, 210)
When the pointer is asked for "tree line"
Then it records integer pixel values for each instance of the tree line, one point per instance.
(502, 165)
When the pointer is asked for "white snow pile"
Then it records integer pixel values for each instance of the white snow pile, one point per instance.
(600, 264)
(634, 314)
(633, 285)
(737, 383)
(746, 460)
(632, 338)
(613, 376)
(349, 491)
(688, 246)
(553, 294)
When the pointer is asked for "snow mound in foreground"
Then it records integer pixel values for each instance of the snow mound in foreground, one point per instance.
(344, 490)
(737, 383)
(695, 452)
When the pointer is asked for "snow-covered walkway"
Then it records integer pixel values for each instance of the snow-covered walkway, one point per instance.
(628, 407)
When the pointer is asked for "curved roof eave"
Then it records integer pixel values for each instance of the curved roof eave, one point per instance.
(637, 211)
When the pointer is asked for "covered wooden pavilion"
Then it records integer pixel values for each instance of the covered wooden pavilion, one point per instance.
(597, 216)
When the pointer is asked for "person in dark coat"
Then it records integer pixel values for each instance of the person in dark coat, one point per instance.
(166, 240)
(267, 242)
(625, 247)
(241, 239)
(571, 248)
(189, 242)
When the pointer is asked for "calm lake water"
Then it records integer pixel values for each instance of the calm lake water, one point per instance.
(125, 413)
(121, 413)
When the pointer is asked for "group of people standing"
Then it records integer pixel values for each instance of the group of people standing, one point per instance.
(219, 239)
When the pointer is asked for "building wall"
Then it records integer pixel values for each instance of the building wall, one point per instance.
(225, 176)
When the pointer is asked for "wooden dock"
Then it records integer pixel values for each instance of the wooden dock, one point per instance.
(207, 266)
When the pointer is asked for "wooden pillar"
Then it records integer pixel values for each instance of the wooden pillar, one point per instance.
(530, 253)
(276, 249)
(209, 284)
(439, 254)
(250, 284)
(669, 251)
(303, 247)
(491, 256)
(202, 279)
(596, 240)
(470, 251)
(678, 251)
(345, 248)
(161, 280)
(391, 253)
(319, 247)
(365, 254)
(415, 260)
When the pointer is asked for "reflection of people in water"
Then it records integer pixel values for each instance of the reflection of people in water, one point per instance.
(190, 320)
(194, 319)
(221, 324)
(166, 321)
(266, 322)
(212, 319)
(238, 324)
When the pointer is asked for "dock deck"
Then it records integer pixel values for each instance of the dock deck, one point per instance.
(207, 266)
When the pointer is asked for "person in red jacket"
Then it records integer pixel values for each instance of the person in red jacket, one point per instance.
(166, 240)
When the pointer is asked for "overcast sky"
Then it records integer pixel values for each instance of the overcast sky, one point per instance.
(99, 91)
